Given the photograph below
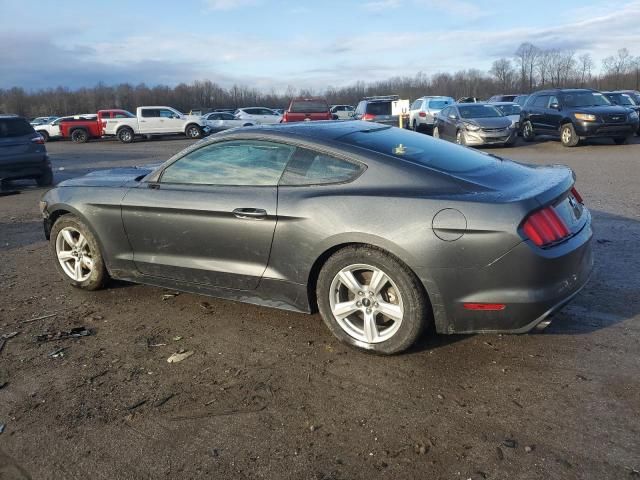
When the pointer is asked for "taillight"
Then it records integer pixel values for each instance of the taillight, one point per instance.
(368, 116)
(39, 140)
(285, 116)
(576, 195)
(545, 227)
(422, 114)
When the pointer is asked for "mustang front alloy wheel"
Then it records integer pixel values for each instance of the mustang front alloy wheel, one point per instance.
(370, 300)
(77, 255)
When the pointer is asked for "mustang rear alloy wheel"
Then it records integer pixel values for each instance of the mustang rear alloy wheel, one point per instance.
(77, 254)
(370, 300)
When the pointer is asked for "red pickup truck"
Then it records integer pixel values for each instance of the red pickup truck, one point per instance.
(81, 129)
(307, 109)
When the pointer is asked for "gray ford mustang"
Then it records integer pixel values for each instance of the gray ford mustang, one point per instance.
(382, 230)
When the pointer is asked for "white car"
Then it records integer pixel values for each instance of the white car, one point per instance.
(151, 121)
(423, 111)
(343, 112)
(223, 120)
(258, 115)
(51, 130)
(510, 110)
(41, 121)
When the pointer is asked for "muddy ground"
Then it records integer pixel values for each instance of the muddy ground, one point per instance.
(271, 394)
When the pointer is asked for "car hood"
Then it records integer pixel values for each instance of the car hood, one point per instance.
(493, 122)
(602, 109)
(116, 177)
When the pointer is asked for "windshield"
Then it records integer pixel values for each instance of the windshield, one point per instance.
(439, 104)
(420, 149)
(308, 106)
(509, 109)
(479, 111)
(584, 99)
(621, 98)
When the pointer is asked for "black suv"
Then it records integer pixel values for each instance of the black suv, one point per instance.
(574, 115)
(378, 109)
(22, 152)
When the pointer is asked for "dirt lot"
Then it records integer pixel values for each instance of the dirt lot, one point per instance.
(271, 394)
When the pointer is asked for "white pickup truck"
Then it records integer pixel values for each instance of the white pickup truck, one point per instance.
(150, 121)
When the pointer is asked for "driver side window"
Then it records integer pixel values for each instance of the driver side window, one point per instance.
(242, 162)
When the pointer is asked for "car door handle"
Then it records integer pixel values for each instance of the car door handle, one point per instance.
(250, 213)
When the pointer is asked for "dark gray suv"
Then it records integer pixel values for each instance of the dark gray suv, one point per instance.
(22, 152)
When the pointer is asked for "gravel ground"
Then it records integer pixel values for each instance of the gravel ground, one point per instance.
(271, 394)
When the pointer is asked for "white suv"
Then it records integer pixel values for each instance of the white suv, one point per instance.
(423, 111)
(257, 115)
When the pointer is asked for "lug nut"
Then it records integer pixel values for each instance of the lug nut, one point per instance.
(368, 310)
(360, 293)
(375, 304)
(359, 304)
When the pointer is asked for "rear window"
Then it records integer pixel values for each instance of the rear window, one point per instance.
(440, 104)
(420, 149)
(309, 106)
(509, 109)
(14, 127)
(379, 108)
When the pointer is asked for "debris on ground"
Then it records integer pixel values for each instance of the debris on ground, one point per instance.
(2, 427)
(421, 448)
(180, 356)
(57, 353)
(177, 338)
(528, 449)
(167, 296)
(163, 400)
(139, 403)
(510, 443)
(206, 306)
(73, 333)
(5, 337)
(42, 317)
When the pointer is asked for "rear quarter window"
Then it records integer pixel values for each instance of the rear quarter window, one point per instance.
(308, 167)
(14, 127)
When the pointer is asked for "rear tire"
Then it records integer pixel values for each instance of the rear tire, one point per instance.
(568, 136)
(44, 135)
(436, 132)
(46, 179)
(528, 134)
(414, 126)
(72, 244)
(125, 135)
(79, 136)
(383, 285)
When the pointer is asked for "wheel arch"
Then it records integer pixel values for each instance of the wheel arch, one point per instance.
(321, 260)
(192, 124)
(58, 211)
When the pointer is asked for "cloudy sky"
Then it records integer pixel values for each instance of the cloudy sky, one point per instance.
(276, 43)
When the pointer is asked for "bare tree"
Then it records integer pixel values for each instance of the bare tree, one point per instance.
(504, 73)
(585, 66)
(526, 56)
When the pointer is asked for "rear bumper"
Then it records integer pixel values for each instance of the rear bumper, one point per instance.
(33, 167)
(596, 129)
(532, 283)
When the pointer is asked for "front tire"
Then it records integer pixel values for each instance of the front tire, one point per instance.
(125, 135)
(621, 140)
(528, 135)
(193, 131)
(568, 136)
(370, 300)
(76, 254)
(460, 139)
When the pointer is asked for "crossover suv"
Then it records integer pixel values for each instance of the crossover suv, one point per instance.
(574, 115)
(257, 115)
(378, 109)
(625, 99)
(342, 112)
(504, 98)
(474, 124)
(22, 152)
(423, 111)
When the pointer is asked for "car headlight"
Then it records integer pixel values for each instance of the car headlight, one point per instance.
(471, 127)
(587, 117)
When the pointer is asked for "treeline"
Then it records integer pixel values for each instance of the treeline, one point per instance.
(529, 69)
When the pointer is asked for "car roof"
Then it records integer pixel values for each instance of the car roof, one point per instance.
(564, 90)
(504, 103)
